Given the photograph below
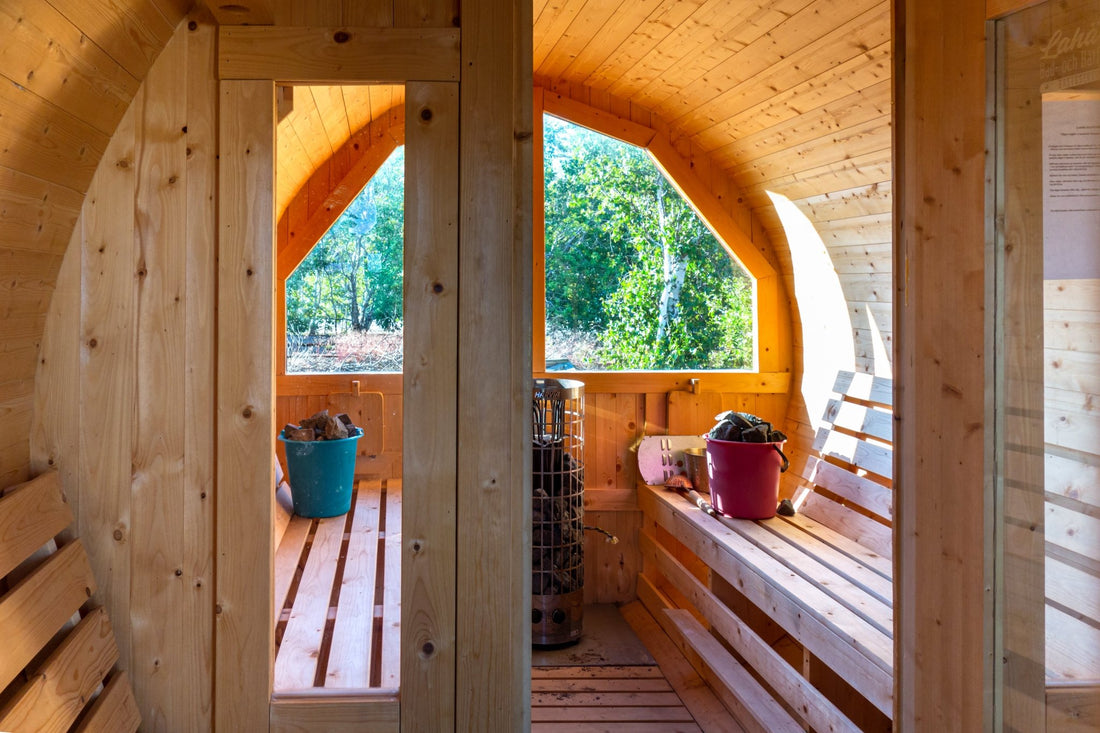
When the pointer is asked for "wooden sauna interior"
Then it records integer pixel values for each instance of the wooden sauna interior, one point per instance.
(165, 164)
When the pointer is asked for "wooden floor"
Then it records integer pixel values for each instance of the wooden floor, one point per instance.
(338, 597)
(337, 627)
(666, 697)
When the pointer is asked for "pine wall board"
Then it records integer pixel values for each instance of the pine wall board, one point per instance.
(124, 402)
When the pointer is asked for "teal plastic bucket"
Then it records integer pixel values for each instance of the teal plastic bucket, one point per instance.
(322, 474)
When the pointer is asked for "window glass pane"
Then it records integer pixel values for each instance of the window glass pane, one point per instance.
(634, 279)
(343, 303)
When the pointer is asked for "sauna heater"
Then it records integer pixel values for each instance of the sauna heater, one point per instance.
(557, 511)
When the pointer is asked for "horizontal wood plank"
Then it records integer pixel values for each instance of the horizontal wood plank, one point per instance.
(114, 711)
(58, 690)
(31, 514)
(334, 55)
(335, 713)
(40, 603)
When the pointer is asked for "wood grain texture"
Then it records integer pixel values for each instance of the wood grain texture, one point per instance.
(428, 581)
(334, 55)
(245, 403)
(66, 680)
(494, 359)
(31, 515)
(942, 647)
(40, 603)
(114, 711)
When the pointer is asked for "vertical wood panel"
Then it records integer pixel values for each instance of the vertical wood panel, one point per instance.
(198, 499)
(159, 630)
(940, 536)
(245, 500)
(494, 502)
(430, 391)
(107, 359)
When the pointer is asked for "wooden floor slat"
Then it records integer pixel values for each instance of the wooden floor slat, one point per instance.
(352, 644)
(349, 657)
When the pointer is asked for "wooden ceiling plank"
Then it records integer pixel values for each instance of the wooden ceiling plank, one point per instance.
(670, 15)
(357, 106)
(243, 12)
(707, 40)
(335, 55)
(855, 109)
(552, 24)
(373, 13)
(734, 116)
(798, 41)
(606, 41)
(875, 167)
(41, 140)
(834, 147)
(51, 57)
(35, 215)
(875, 198)
(587, 30)
(309, 127)
(132, 32)
(329, 102)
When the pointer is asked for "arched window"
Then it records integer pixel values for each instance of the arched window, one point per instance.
(634, 279)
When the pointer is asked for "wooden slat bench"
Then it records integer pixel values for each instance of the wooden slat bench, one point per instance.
(58, 664)
(337, 598)
(823, 576)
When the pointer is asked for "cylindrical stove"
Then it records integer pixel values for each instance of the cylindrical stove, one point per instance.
(557, 509)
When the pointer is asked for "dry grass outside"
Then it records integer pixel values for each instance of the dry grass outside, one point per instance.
(354, 351)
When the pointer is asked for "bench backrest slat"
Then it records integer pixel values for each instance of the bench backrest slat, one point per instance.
(850, 474)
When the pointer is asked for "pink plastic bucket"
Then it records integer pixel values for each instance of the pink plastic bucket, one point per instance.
(744, 477)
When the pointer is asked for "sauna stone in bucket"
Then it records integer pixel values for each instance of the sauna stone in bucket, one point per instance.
(744, 460)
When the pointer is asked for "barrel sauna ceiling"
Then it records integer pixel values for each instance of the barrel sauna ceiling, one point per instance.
(790, 97)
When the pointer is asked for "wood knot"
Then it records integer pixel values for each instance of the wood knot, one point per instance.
(341, 37)
(117, 534)
(437, 288)
(426, 114)
(427, 650)
(192, 25)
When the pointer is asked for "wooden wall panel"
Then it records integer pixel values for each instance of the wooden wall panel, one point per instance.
(940, 528)
(429, 524)
(245, 402)
(494, 351)
(124, 399)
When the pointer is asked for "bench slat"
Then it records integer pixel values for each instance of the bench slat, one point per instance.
(31, 514)
(858, 490)
(879, 390)
(810, 703)
(852, 570)
(114, 711)
(861, 419)
(287, 555)
(40, 604)
(352, 636)
(881, 564)
(55, 695)
(846, 642)
(296, 662)
(874, 610)
(756, 704)
(877, 459)
(1073, 588)
(876, 537)
(391, 600)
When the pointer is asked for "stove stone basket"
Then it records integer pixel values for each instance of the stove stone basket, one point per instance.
(557, 509)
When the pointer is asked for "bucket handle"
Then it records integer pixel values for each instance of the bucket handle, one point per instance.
(786, 461)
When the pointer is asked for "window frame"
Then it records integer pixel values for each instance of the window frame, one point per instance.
(769, 373)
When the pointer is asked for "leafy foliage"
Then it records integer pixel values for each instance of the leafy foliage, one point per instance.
(627, 259)
(352, 279)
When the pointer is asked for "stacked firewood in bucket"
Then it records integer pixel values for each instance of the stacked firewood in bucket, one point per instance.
(321, 426)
